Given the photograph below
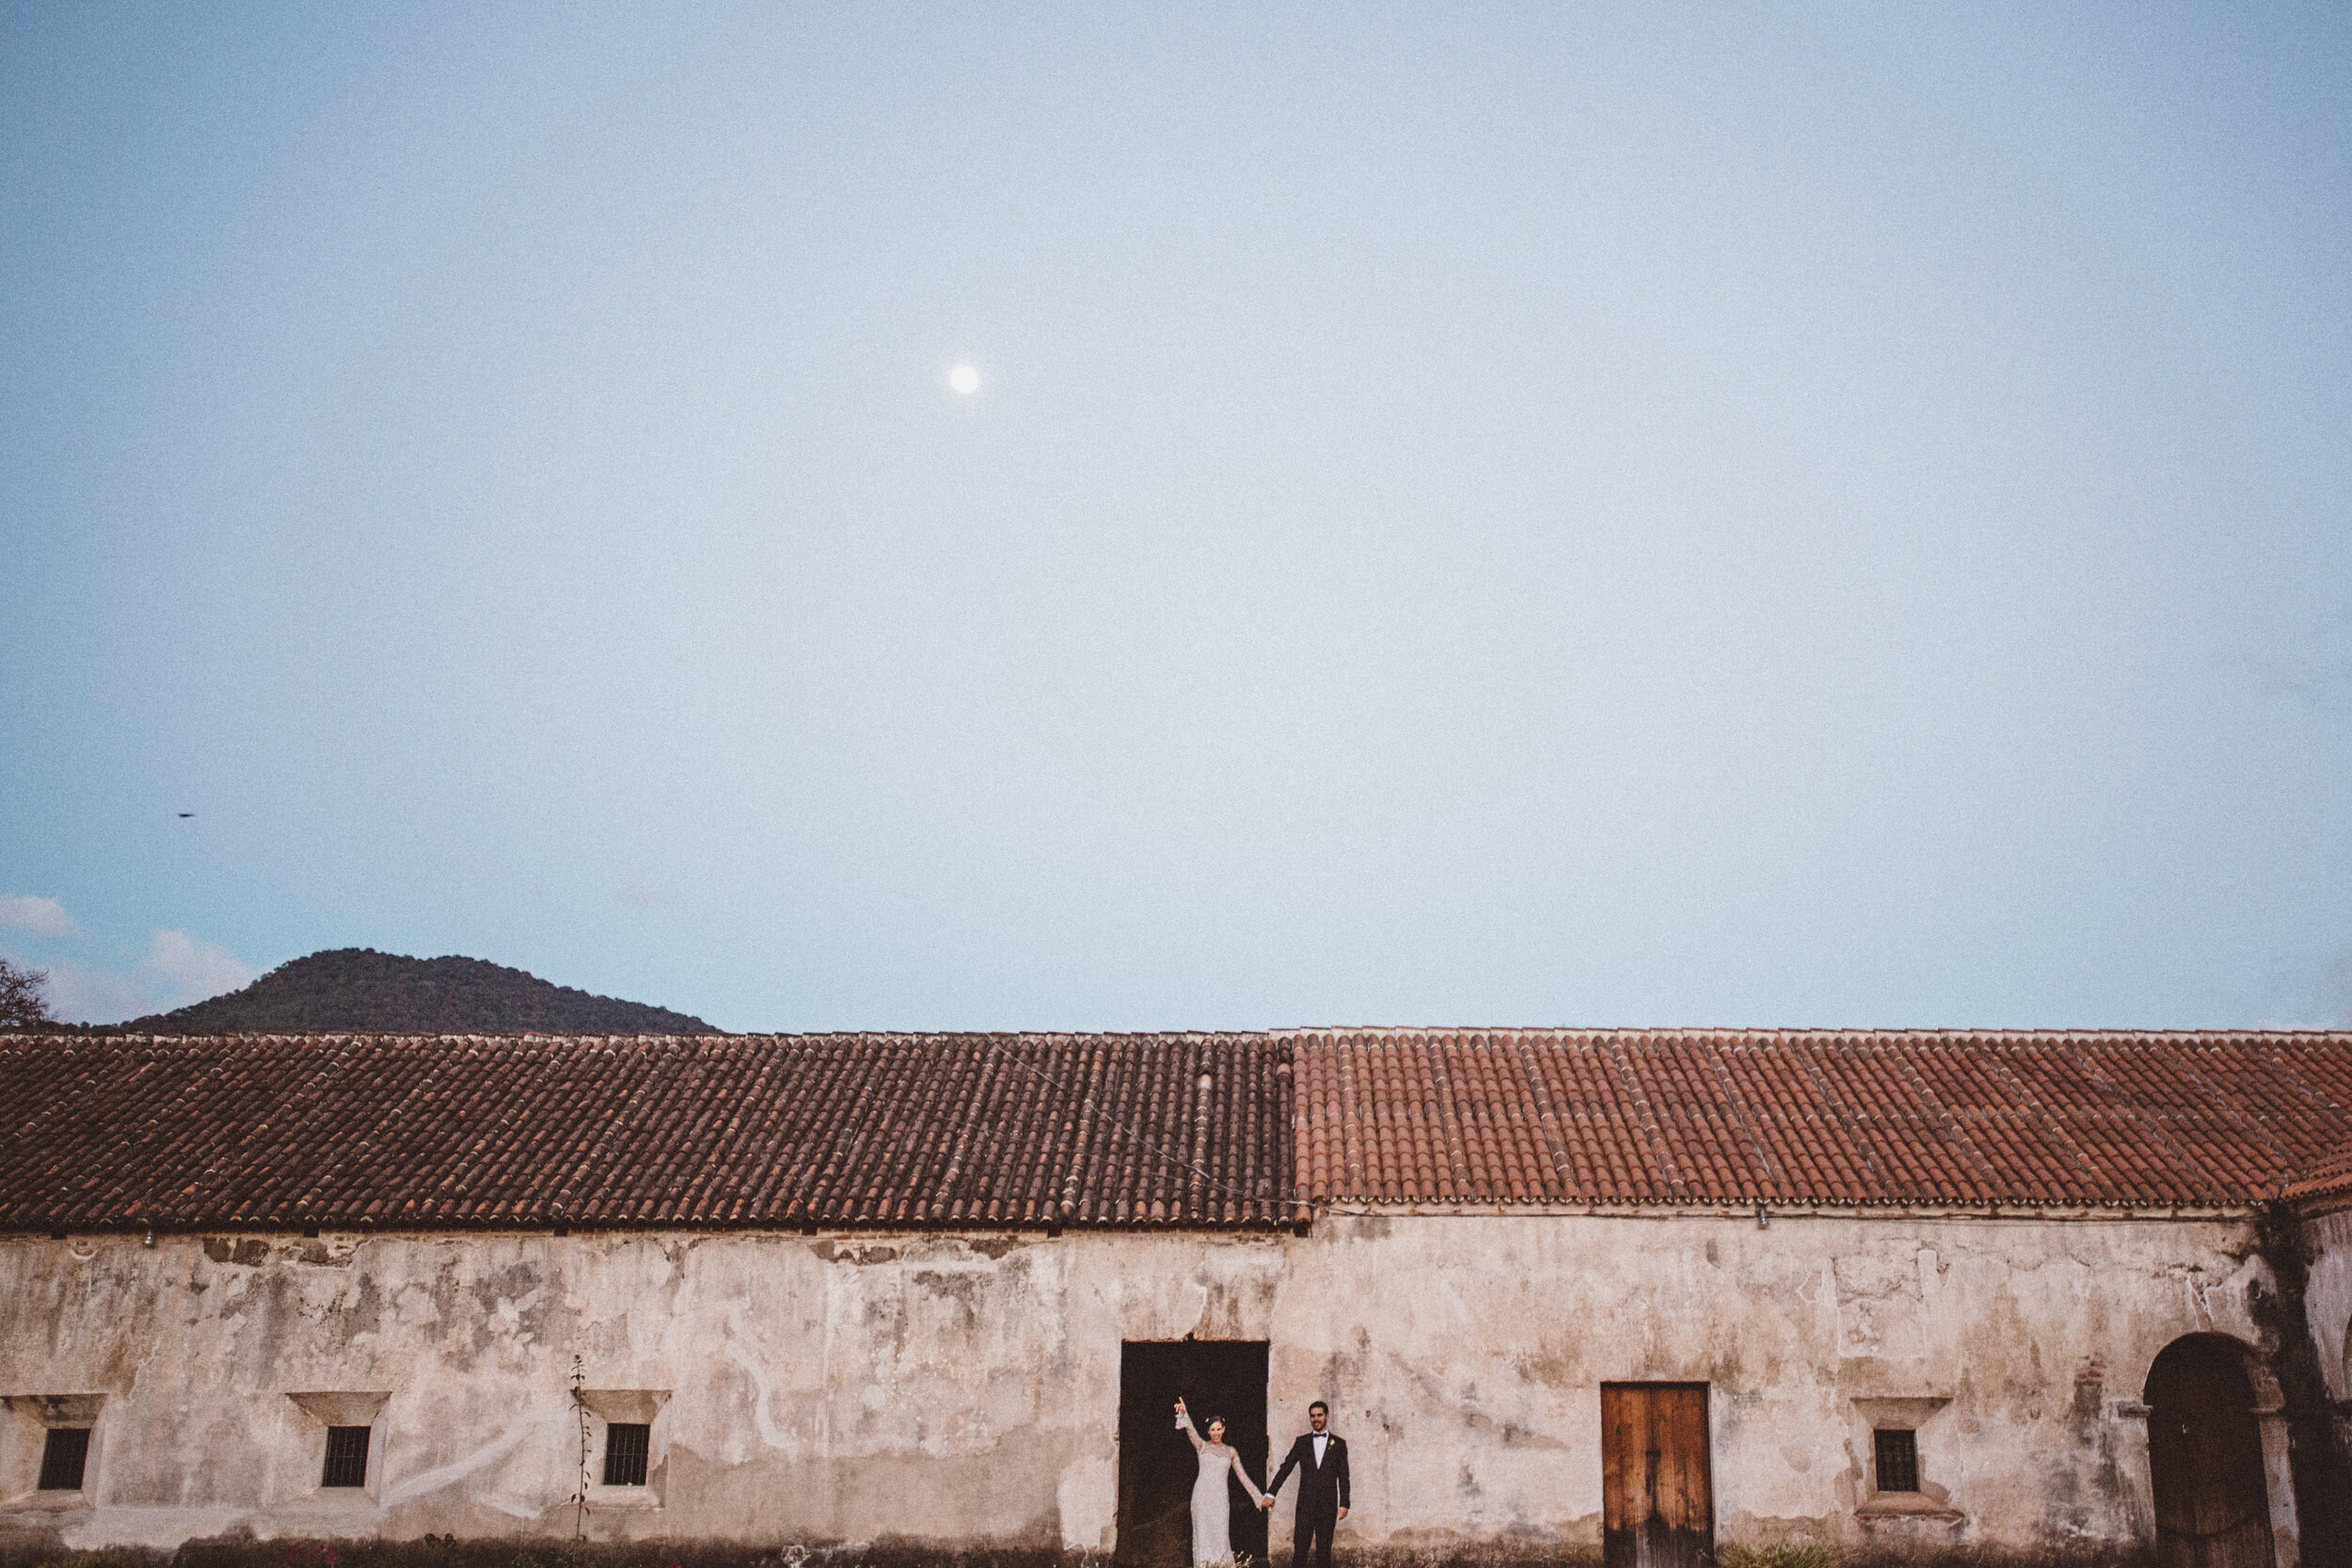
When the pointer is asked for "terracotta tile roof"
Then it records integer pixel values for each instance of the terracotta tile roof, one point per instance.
(1530, 1116)
(974, 1130)
(271, 1132)
(2330, 1175)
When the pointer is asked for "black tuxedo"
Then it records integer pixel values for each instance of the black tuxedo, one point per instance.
(1322, 1493)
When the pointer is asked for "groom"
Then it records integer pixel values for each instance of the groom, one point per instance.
(1322, 1461)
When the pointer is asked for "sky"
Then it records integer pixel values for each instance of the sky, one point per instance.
(1759, 517)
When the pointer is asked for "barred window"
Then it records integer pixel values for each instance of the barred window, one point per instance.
(1898, 1460)
(63, 1457)
(346, 1457)
(626, 1447)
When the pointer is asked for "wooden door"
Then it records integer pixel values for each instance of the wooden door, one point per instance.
(1657, 1487)
(2205, 1459)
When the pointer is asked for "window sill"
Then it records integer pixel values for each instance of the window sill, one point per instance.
(623, 1497)
(1891, 1505)
(46, 1502)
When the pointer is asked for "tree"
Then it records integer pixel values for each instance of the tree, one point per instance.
(22, 1003)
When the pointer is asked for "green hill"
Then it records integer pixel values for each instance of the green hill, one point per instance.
(359, 989)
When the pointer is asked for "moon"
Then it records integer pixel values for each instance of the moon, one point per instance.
(964, 381)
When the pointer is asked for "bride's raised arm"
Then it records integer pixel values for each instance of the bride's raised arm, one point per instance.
(1183, 1424)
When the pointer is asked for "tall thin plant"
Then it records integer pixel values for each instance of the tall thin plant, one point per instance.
(579, 1495)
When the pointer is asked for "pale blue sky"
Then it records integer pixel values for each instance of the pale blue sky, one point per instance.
(1560, 515)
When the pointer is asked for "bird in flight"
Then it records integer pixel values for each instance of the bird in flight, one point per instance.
(187, 813)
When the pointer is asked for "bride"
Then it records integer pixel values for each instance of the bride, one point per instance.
(1212, 1515)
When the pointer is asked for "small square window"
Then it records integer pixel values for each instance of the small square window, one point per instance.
(626, 1445)
(63, 1457)
(346, 1457)
(1898, 1460)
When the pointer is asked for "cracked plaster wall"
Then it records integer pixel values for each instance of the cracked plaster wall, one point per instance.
(2327, 1297)
(2327, 1310)
(967, 1387)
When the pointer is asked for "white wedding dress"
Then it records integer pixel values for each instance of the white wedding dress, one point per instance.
(1212, 1510)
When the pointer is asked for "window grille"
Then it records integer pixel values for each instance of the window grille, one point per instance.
(346, 1457)
(626, 1447)
(63, 1457)
(1899, 1461)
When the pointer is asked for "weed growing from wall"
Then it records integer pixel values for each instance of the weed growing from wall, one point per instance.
(580, 1494)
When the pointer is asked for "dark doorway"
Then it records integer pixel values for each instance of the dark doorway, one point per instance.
(2205, 1457)
(1157, 1466)
(1657, 1483)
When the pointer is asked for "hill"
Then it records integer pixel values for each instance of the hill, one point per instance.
(359, 989)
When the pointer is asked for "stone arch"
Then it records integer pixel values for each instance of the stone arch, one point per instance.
(2205, 1453)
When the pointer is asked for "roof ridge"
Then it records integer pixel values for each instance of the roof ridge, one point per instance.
(342, 1040)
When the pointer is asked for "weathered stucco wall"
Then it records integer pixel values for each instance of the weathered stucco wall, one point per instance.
(967, 1386)
(2328, 1296)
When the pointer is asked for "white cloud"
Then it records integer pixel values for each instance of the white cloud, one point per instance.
(80, 994)
(41, 917)
(190, 971)
(179, 969)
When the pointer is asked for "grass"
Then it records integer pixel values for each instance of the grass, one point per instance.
(1780, 1554)
(447, 1552)
(492, 1552)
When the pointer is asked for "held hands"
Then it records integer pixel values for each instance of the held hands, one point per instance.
(1267, 1503)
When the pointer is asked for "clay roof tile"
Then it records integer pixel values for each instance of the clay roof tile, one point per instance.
(890, 1129)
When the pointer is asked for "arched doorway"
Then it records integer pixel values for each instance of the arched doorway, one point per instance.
(2205, 1457)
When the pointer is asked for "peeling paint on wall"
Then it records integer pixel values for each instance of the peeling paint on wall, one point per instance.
(965, 1387)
